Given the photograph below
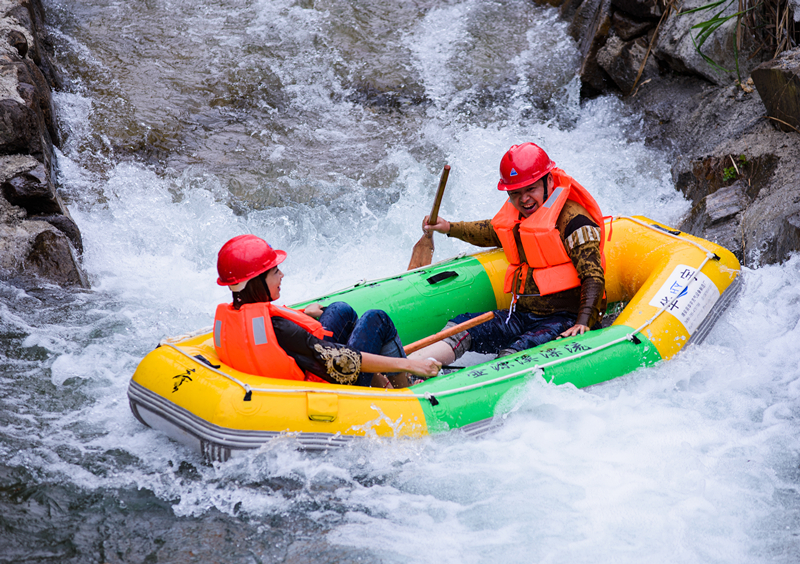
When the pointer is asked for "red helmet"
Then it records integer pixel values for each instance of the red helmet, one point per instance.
(522, 165)
(245, 257)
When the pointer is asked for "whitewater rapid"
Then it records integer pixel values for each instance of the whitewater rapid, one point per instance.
(693, 460)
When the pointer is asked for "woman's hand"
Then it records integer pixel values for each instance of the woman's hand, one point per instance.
(441, 225)
(427, 368)
(313, 310)
(576, 329)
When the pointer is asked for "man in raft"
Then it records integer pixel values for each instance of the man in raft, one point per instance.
(552, 233)
(331, 344)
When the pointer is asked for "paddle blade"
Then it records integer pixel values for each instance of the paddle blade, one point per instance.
(422, 255)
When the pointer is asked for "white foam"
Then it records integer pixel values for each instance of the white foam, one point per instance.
(693, 460)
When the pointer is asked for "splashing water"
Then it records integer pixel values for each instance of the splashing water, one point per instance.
(322, 127)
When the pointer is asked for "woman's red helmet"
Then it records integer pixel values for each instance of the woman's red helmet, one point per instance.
(245, 257)
(522, 165)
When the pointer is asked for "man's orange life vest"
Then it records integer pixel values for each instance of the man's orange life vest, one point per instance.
(541, 240)
(245, 339)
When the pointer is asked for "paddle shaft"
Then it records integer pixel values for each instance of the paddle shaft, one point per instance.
(422, 343)
(422, 254)
(439, 194)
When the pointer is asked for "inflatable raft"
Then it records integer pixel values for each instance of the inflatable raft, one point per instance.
(666, 289)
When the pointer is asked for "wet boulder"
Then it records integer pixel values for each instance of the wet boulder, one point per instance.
(26, 116)
(717, 217)
(746, 193)
(31, 248)
(590, 27)
(639, 9)
(25, 182)
(778, 84)
(623, 59)
(627, 27)
(675, 45)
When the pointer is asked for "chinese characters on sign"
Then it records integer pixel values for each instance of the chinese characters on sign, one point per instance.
(693, 302)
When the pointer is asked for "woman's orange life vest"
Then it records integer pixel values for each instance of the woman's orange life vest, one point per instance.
(245, 339)
(543, 247)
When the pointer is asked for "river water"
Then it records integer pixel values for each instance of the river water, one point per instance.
(322, 126)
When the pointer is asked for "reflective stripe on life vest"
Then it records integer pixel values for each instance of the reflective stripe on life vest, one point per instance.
(245, 339)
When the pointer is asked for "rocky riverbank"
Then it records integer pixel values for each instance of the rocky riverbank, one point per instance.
(736, 146)
(38, 238)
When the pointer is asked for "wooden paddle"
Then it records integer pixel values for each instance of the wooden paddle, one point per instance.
(443, 334)
(422, 255)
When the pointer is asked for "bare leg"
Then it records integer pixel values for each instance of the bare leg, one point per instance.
(441, 351)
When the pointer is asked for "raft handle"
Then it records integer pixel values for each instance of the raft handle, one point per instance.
(431, 398)
(665, 230)
(205, 361)
(442, 276)
(249, 395)
(634, 339)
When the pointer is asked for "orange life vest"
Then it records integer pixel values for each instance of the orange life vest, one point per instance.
(553, 270)
(245, 339)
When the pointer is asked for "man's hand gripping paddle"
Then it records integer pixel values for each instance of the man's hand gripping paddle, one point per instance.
(422, 255)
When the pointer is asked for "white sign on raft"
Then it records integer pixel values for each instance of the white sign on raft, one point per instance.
(694, 302)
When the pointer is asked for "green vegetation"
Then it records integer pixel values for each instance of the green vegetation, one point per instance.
(707, 27)
(733, 172)
(768, 23)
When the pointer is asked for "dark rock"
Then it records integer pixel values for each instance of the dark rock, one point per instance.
(717, 218)
(29, 15)
(622, 60)
(788, 239)
(641, 9)
(26, 116)
(692, 117)
(18, 41)
(52, 258)
(19, 128)
(568, 8)
(67, 226)
(35, 248)
(590, 28)
(24, 182)
(726, 202)
(715, 208)
(706, 175)
(31, 76)
(778, 84)
(676, 47)
(727, 234)
(628, 28)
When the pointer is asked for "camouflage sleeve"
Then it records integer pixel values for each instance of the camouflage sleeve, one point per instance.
(478, 233)
(583, 246)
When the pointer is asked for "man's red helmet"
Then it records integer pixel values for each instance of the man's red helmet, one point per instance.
(245, 257)
(522, 165)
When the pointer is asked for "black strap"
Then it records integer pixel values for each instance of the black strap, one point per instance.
(442, 276)
(205, 361)
(665, 230)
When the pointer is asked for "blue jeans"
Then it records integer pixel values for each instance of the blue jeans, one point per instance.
(373, 333)
(523, 331)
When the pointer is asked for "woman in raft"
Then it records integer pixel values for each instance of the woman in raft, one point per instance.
(329, 344)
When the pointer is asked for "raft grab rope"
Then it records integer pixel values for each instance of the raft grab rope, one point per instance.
(540, 368)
